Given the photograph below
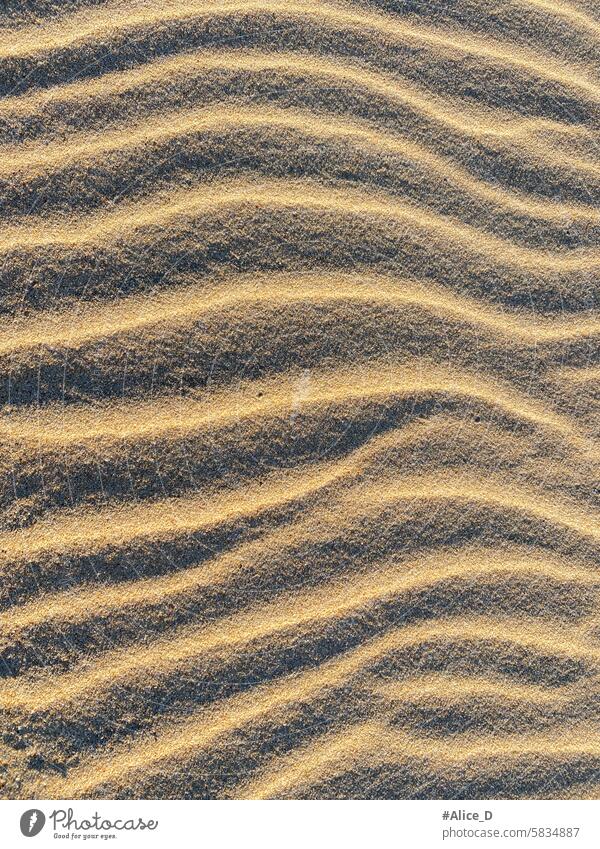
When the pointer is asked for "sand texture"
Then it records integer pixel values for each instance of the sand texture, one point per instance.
(299, 399)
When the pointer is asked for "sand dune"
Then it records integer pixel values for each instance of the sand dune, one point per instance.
(181, 208)
(103, 24)
(299, 404)
(73, 330)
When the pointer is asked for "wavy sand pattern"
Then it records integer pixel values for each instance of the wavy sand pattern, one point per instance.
(300, 469)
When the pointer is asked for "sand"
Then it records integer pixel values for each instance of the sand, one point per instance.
(299, 415)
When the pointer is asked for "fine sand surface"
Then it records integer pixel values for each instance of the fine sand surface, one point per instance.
(300, 399)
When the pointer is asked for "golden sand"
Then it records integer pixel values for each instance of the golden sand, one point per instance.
(300, 409)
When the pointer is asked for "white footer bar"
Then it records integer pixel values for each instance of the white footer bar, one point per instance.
(287, 825)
